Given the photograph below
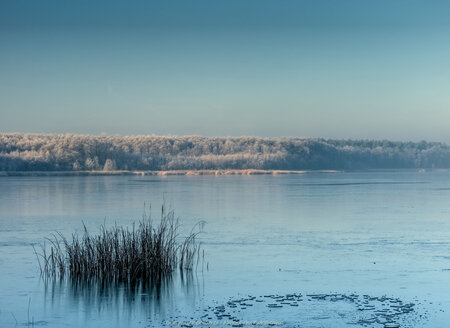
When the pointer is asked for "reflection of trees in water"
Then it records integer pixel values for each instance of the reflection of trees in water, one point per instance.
(150, 297)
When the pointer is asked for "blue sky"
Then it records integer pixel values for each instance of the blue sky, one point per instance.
(333, 69)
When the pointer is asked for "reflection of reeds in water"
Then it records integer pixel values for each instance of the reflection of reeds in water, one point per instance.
(144, 254)
(120, 301)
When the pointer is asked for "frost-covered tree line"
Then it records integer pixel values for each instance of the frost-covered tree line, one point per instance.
(68, 152)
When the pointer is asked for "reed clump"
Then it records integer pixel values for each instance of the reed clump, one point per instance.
(145, 252)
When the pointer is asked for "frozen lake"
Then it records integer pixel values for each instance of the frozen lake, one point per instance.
(312, 250)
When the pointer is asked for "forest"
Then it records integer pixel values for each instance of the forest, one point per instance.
(72, 152)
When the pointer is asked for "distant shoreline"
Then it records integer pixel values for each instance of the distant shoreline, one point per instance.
(196, 155)
(160, 173)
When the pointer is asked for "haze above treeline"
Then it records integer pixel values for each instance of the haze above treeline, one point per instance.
(71, 152)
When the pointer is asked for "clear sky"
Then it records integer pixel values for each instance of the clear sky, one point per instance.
(334, 69)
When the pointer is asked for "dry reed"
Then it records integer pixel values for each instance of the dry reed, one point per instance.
(144, 253)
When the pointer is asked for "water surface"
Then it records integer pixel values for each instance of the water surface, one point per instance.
(362, 233)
